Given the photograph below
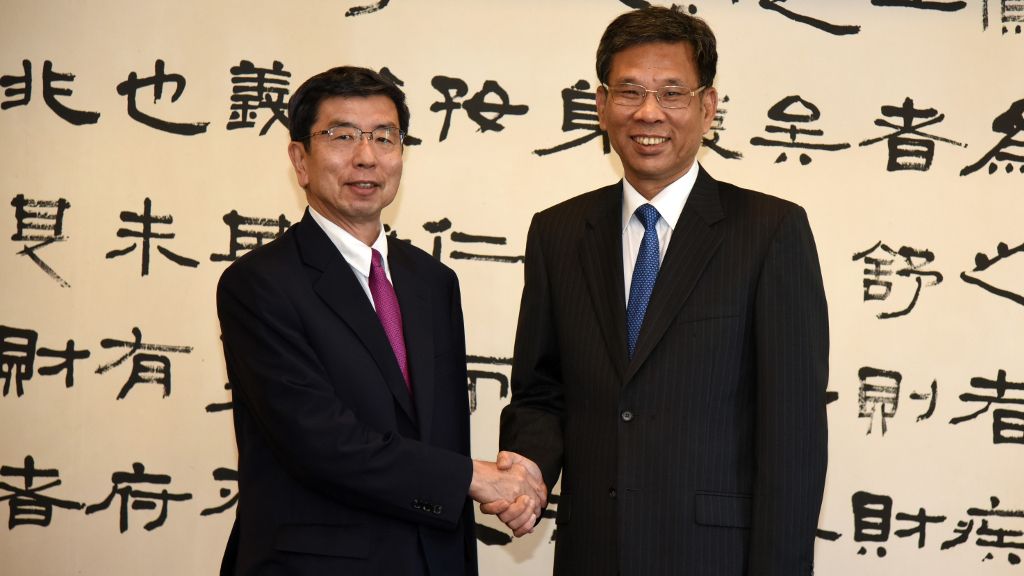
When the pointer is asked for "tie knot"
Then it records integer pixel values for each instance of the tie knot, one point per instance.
(648, 216)
(376, 261)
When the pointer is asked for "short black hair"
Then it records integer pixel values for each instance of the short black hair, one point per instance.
(341, 81)
(659, 24)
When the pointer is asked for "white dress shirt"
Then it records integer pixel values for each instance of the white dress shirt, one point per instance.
(669, 203)
(358, 255)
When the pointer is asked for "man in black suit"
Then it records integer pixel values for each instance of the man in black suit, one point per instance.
(672, 351)
(346, 354)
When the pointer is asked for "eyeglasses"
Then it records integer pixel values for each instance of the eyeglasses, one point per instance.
(673, 97)
(346, 136)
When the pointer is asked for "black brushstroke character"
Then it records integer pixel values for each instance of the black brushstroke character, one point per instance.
(148, 220)
(254, 89)
(130, 88)
(795, 110)
(132, 497)
(27, 505)
(40, 222)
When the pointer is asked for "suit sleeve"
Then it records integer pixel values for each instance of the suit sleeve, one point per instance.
(532, 422)
(280, 382)
(791, 323)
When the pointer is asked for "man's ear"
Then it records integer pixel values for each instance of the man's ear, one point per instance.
(709, 100)
(297, 153)
(602, 101)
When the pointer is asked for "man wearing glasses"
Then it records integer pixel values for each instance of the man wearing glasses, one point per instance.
(671, 358)
(346, 354)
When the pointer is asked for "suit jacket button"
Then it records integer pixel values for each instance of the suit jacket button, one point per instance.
(626, 416)
(437, 509)
(612, 493)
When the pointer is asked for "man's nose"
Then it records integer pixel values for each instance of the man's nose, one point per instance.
(650, 109)
(364, 153)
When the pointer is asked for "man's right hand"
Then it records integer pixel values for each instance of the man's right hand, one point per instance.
(512, 488)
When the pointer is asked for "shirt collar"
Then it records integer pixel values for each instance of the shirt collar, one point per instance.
(357, 254)
(669, 202)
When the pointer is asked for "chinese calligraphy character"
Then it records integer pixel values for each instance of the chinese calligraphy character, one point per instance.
(410, 140)
(26, 504)
(878, 267)
(40, 221)
(17, 357)
(461, 237)
(872, 519)
(134, 498)
(133, 84)
(717, 127)
(951, 6)
(147, 220)
(488, 372)
(476, 106)
(69, 355)
(983, 262)
(224, 475)
(50, 93)
(1007, 424)
(921, 521)
(19, 88)
(932, 397)
(255, 89)
(146, 368)
(1010, 123)
(256, 229)
(220, 406)
(907, 152)
(988, 536)
(834, 29)
(795, 110)
(360, 10)
(637, 4)
(879, 395)
(1011, 13)
(579, 112)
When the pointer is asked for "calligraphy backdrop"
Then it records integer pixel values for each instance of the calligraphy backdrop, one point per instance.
(897, 124)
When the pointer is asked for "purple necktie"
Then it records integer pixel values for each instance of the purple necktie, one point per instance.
(390, 315)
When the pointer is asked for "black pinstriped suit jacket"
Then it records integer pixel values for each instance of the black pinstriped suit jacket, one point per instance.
(706, 453)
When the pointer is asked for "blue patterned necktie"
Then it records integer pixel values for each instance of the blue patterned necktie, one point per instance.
(645, 272)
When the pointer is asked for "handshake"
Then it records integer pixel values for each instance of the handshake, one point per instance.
(511, 488)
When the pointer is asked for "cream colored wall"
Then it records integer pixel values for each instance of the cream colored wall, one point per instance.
(490, 183)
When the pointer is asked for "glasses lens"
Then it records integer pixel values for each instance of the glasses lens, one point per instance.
(383, 139)
(634, 94)
(674, 97)
(341, 135)
(628, 94)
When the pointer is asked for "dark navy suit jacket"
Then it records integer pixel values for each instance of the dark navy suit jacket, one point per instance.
(340, 470)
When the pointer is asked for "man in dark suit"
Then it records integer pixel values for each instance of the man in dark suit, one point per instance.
(346, 354)
(672, 351)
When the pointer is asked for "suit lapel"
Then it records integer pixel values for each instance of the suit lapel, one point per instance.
(694, 240)
(601, 258)
(338, 287)
(418, 329)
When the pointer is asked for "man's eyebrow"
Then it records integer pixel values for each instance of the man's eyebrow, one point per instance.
(666, 82)
(347, 124)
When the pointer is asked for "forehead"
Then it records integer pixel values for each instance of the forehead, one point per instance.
(363, 111)
(655, 63)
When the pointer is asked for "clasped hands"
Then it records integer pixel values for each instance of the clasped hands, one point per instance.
(511, 488)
